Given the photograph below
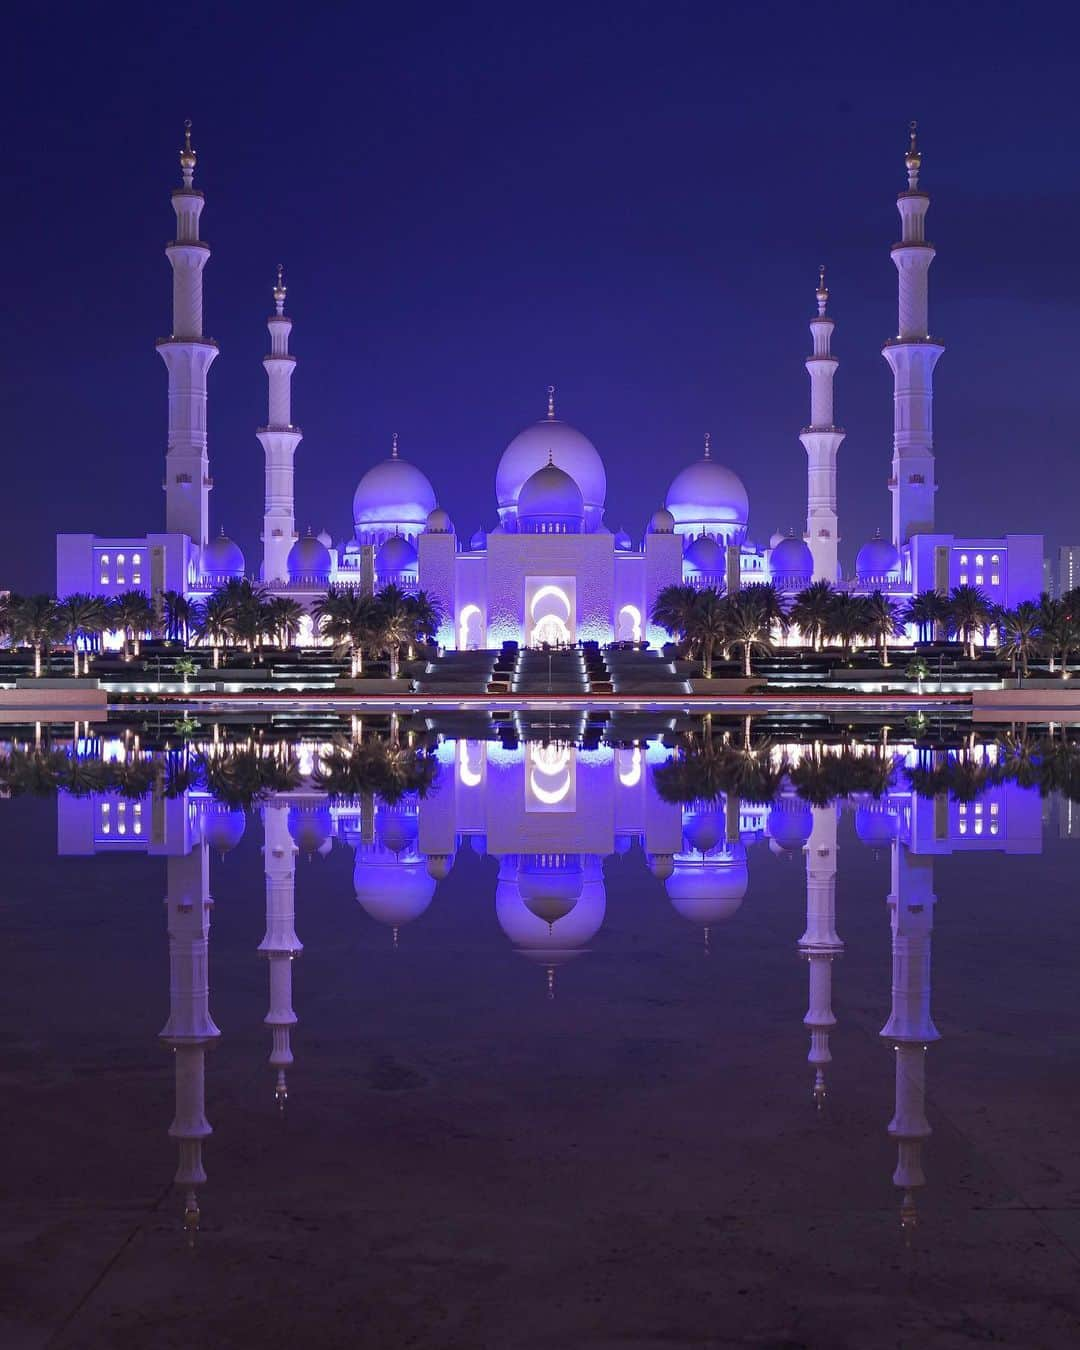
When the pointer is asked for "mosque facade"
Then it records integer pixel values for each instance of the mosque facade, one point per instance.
(549, 569)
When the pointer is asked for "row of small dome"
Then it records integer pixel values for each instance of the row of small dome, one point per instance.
(309, 558)
(791, 561)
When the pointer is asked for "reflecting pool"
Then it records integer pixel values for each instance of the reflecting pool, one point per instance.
(598, 1034)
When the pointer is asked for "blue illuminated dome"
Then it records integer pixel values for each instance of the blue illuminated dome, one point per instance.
(223, 828)
(551, 500)
(704, 555)
(707, 494)
(662, 522)
(310, 828)
(791, 558)
(395, 556)
(479, 539)
(708, 893)
(439, 522)
(393, 496)
(223, 558)
(623, 542)
(790, 822)
(309, 560)
(531, 450)
(877, 558)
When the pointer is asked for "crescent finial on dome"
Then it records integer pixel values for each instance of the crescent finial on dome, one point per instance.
(551, 401)
(279, 289)
(551, 457)
(707, 450)
(393, 446)
(822, 291)
(913, 158)
(187, 155)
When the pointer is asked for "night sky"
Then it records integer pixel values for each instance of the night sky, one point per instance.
(629, 201)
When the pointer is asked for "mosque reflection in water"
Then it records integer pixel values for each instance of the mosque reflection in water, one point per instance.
(551, 813)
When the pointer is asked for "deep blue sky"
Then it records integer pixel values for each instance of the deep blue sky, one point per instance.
(627, 200)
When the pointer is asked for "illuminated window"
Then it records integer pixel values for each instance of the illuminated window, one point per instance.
(995, 807)
(963, 827)
(978, 559)
(963, 559)
(963, 578)
(136, 559)
(995, 559)
(995, 580)
(978, 827)
(978, 578)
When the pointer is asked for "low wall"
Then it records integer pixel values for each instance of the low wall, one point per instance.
(1055, 699)
(726, 685)
(373, 687)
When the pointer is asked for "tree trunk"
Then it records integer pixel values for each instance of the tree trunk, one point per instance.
(217, 656)
(37, 660)
(746, 660)
(706, 660)
(884, 649)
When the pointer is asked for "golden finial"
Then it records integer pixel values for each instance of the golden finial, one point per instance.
(913, 158)
(192, 1217)
(393, 446)
(551, 981)
(551, 400)
(279, 289)
(551, 458)
(187, 155)
(707, 449)
(822, 291)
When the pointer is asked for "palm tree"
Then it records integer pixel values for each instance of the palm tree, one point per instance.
(926, 610)
(672, 609)
(283, 617)
(849, 619)
(5, 614)
(77, 614)
(213, 623)
(772, 605)
(96, 623)
(968, 611)
(133, 614)
(426, 614)
(747, 625)
(393, 624)
(244, 609)
(1021, 631)
(35, 622)
(707, 625)
(884, 620)
(810, 612)
(177, 613)
(351, 621)
(917, 670)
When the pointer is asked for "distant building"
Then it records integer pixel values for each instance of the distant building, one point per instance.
(1068, 577)
(548, 568)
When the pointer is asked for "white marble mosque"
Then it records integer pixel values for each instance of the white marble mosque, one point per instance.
(548, 568)
(551, 815)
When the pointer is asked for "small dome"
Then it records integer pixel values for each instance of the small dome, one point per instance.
(709, 893)
(549, 439)
(395, 555)
(662, 522)
(876, 824)
(325, 538)
(704, 555)
(551, 496)
(877, 558)
(661, 865)
(791, 558)
(438, 522)
(439, 865)
(790, 823)
(393, 893)
(310, 828)
(393, 493)
(223, 828)
(397, 830)
(479, 539)
(309, 558)
(623, 542)
(707, 493)
(223, 558)
(704, 830)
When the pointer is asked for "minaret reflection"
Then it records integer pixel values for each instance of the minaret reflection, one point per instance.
(190, 1028)
(820, 944)
(280, 943)
(909, 1027)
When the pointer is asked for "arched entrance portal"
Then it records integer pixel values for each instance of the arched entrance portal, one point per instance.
(549, 611)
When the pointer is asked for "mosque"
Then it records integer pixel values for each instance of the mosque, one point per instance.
(549, 569)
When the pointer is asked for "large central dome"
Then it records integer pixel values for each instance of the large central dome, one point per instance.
(533, 448)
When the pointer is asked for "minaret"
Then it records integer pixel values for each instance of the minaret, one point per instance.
(822, 440)
(910, 1027)
(279, 441)
(190, 1028)
(912, 356)
(188, 355)
(820, 945)
(280, 943)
